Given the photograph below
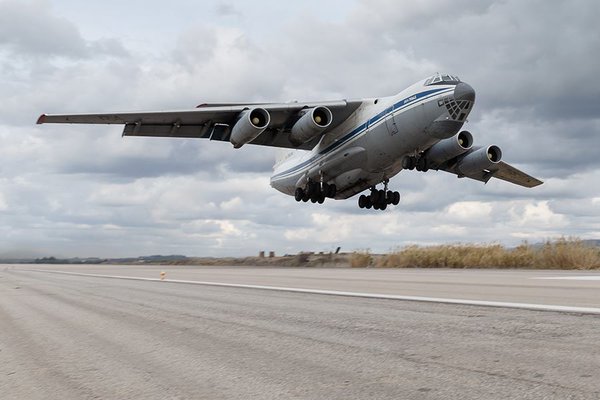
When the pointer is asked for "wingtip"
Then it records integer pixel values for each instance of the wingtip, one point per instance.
(41, 119)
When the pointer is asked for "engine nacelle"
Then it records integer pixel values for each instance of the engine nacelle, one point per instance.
(312, 123)
(250, 124)
(480, 159)
(449, 148)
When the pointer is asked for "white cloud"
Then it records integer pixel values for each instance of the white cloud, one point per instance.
(79, 190)
(3, 203)
(467, 210)
(233, 204)
(537, 215)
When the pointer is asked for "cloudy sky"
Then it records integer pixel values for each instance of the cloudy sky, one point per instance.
(69, 190)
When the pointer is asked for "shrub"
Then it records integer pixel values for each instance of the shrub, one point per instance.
(563, 253)
(569, 253)
(360, 259)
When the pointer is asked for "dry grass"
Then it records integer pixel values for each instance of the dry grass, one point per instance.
(564, 253)
(569, 254)
(361, 259)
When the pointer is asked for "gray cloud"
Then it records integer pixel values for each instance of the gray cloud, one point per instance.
(226, 9)
(31, 29)
(83, 190)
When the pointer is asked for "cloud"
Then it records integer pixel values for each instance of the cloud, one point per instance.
(226, 9)
(466, 210)
(84, 190)
(21, 25)
(31, 29)
(3, 203)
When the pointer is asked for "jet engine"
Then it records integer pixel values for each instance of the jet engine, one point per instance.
(249, 125)
(480, 159)
(311, 123)
(449, 148)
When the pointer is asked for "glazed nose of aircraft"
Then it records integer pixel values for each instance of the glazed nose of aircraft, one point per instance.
(464, 91)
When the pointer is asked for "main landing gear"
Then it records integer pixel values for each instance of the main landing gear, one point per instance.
(316, 192)
(379, 199)
(420, 163)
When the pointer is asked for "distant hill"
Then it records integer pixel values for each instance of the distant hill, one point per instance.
(154, 259)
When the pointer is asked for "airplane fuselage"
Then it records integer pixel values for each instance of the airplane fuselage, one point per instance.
(369, 146)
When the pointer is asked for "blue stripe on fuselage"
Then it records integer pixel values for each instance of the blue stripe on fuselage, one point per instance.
(359, 129)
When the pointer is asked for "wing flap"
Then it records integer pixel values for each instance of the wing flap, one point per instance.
(172, 130)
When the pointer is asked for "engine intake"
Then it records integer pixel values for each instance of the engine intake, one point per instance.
(311, 124)
(481, 159)
(250, 124)
(449, 148)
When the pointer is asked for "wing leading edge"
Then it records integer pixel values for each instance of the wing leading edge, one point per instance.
(213, 122)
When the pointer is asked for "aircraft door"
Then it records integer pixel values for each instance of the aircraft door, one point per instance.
(390, 122)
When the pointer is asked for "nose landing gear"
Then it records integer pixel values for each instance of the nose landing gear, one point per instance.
(379, 199)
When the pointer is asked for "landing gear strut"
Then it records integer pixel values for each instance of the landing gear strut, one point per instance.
(316, 192)
(379, 199)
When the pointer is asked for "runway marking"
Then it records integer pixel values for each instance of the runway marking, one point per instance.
(573, 278)
(483, 303)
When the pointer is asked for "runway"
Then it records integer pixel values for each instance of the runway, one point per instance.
(75, 336)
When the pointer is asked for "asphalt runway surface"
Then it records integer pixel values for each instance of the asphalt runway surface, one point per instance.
(67, 336)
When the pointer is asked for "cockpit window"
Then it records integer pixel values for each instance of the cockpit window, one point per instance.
(442, 79)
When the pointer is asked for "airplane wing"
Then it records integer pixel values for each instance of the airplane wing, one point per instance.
(501, 170)
(215, 121)
(508, 173)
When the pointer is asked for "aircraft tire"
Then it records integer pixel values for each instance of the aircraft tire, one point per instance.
(422, 165)
(311, 189)
(362, 201)
(374, 197)
(396, 198)
(331, 191)
(314, 196)
(406, 163)
(299, 194)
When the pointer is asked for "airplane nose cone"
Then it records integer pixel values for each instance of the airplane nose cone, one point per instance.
(464, 91)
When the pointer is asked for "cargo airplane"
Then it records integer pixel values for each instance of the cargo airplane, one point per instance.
(337, 149)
